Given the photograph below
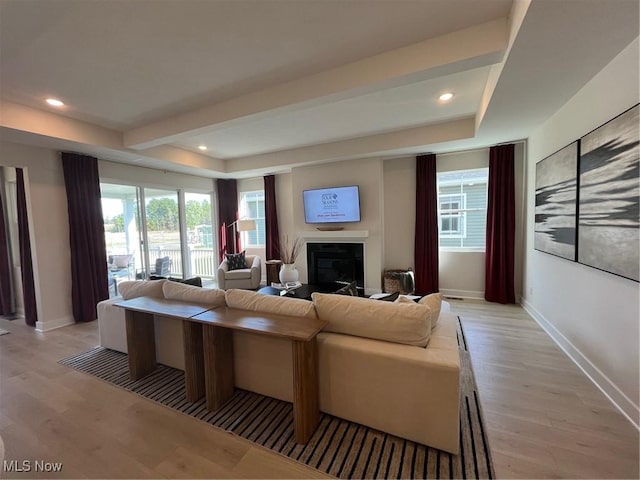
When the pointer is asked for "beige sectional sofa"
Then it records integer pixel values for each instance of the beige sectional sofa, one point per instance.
(390, 366)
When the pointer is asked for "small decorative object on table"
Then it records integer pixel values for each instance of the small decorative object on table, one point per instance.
(285, 288)
(288, 253)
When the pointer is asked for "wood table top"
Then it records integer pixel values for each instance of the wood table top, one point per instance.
(164, 307)
(284, 326)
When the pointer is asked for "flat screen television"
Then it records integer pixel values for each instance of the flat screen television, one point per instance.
(332, 205)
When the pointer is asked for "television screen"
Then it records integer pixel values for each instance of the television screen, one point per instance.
(332, 205)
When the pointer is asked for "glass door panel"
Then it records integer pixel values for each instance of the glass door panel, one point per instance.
(201, 254)
(163, 232)
(120, 211)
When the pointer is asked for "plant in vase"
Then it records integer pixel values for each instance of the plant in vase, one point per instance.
(289, 252)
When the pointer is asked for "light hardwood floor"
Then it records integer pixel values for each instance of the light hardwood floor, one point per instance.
(544, 418)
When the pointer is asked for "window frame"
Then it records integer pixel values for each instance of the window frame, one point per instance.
(453, 214)
(462, 212)
(245, 214)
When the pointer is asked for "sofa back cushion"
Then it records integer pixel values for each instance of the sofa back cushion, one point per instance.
(190, 293)
(363, 317)
(434, 302)
(257, 302)
(141, 288)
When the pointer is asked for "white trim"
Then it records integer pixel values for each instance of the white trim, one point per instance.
(337, 234)
(53, 324)
(470, 294)
(463, 249)
(593, 373)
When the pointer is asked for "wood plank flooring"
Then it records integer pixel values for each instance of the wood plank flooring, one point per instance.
(544, 417)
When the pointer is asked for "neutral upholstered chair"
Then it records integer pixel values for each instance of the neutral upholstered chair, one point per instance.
(247, 278)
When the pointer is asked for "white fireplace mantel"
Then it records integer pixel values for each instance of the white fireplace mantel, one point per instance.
(343, 235)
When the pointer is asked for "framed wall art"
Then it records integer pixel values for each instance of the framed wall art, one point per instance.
(608, 223)
(556, 195)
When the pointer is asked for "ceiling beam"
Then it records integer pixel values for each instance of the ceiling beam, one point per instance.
(372, 145)
(472, 47)
(40, 122)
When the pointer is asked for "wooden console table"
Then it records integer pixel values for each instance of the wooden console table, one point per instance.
(208, 350)
(141, 341)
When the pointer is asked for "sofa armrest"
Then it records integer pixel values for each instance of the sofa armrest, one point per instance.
(223, 268)
(256, 272)
(363, 379)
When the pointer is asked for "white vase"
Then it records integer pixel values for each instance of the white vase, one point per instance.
(288, 273)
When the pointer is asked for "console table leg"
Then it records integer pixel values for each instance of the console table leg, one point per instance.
(141, 343)
(193, 360)
(306, 411)
(218, 365)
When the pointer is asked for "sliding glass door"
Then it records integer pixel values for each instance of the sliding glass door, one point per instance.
(162, 225)
(157, 232)
(120, 211)
(200, 256)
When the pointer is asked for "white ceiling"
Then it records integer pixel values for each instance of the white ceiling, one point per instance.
(268, 84)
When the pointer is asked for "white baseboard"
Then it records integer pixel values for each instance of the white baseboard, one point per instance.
(470, 294)
(621, 401)
(53, 324)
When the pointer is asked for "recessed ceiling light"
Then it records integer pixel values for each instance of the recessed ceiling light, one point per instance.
(202, 147)
(445, 97)
(54, 102)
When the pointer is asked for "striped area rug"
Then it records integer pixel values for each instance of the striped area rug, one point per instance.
(340, 448)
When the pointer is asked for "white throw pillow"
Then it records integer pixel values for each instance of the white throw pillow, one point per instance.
(121, 261)
(362, 317)
(141, 288)
(191, 293)
(257, 302)
(434, 302)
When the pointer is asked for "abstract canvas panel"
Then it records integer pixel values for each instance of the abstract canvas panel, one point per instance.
(556, 189)
(608, 221)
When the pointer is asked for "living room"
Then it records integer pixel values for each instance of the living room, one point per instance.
(573, 303)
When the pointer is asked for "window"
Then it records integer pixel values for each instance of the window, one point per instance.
(462, 209)
(252, 206)
(451, 217)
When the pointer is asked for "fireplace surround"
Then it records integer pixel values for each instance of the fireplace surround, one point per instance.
(329, 264)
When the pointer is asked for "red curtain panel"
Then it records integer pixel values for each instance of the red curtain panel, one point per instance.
(227, 214)
(5, 267)
(426, 241)
(89, 272)
(272, 231)
(501, 226)
(26, 265)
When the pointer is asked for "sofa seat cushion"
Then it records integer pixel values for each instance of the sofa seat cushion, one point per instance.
(239, 274)
(256, 302)
(141, 288)
(408, 324)
(190, 293)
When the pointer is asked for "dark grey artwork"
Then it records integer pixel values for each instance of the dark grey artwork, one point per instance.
(556, 187)
(609, 193)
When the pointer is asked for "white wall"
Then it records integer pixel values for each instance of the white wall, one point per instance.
(592, 314)
(461, 274)
(49, 230)
(367, 174)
